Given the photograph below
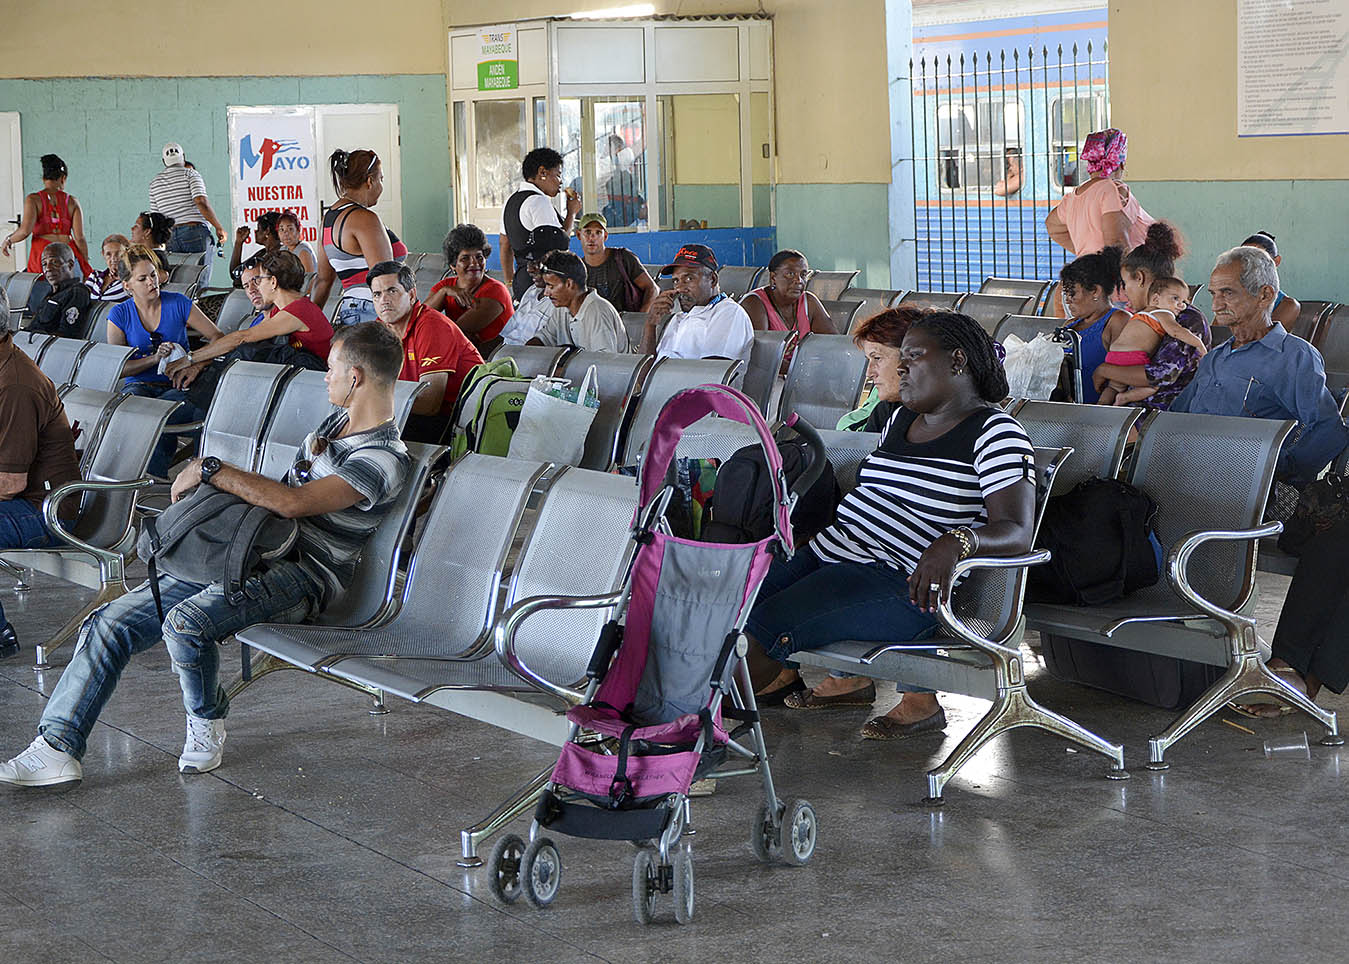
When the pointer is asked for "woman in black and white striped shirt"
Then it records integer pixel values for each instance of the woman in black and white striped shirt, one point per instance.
(953, 477)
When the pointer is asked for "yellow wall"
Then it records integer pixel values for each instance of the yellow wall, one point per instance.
(1173, 90)
(706, 139)
(829, 64)
(191, 38)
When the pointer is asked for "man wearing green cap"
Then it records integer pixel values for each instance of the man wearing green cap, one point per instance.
(615, 273)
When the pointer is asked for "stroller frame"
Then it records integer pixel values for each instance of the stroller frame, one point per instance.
(600, 790)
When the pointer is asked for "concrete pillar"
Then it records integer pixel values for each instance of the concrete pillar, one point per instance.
(903, 230)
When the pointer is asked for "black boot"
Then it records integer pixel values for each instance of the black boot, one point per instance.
(9, 641)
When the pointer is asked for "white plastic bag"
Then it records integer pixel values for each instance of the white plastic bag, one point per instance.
(1032, 367)
(555, 420)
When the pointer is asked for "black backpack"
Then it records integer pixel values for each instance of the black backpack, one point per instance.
(1099, 535)
(742, 502)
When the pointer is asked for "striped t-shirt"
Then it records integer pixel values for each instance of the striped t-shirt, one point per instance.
(910, 493)
(375, 464)
(172, 191)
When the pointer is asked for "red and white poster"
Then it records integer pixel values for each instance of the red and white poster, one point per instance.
(273, 163)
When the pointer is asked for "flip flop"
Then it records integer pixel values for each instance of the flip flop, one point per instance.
(807, 700)
(884, 728)
(1243, 709)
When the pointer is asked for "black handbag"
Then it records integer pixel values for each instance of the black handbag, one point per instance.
(1321, 506)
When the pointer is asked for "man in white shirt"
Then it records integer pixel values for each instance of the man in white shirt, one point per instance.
(179, 192)
(531, 207)
(708, 323)
(533, 308)
(580, 316)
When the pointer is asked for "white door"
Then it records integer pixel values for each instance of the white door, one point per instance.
(363, 126)
(11, 188)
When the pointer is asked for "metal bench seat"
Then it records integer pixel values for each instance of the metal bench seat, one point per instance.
(976, 651)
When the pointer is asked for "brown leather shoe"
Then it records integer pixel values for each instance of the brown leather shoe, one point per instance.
(884, 728)
(807, 700)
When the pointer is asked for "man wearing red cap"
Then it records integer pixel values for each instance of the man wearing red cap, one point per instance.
(708, 324)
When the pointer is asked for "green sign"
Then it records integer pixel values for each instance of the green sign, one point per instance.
(498, 62)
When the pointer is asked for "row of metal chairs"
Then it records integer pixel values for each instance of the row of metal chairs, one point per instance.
(71, 361)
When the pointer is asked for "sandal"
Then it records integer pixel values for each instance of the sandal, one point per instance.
(885, 728)
(807, 700)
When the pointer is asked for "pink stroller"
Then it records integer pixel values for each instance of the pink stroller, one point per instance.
(653, 719)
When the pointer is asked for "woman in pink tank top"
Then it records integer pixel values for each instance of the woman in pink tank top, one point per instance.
(785, 297)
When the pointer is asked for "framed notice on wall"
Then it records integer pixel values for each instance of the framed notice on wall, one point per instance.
(1292, 67)
(498, 59)
(274, 162)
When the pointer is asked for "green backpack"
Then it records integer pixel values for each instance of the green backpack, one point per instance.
(488, 410)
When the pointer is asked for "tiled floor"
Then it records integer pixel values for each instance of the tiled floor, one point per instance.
(331, 835)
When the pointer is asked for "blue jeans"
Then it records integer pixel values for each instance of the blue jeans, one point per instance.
(806, 603)
(168, 442)
(187, 238)
(21, 527)
(351, 311)
(196, 619)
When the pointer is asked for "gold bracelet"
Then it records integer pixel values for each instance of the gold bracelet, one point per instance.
(965, 537)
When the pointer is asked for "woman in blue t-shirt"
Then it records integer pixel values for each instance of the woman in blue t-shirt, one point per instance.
(155, 324)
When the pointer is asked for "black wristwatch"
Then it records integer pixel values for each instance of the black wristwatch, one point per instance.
(209, 467)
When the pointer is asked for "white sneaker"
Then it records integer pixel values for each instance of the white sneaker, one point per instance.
(41, 765)
(202, 749)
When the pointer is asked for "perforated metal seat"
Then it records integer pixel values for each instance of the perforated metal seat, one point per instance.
(1017, 287)
(830, 285)
(975, 651)
(1310, 313)
(824, 381)
(18, 287)
(617, 377)
(846, 450)
(1051, 299)
(634, 323)
(60, 358)
(87, 410)
(668, 376)
(1210, 476)
(1332, 337)
(243, 399)
(765, 361)
(450, 597)
(1097, 434)
(31, 343)
(988, 310)
(736, 279)
(556, 643)
(533, 359)
(874, 301)
(100, 367)
(842, 314)
(99, 542)
(235, 311)
(931, 299)
(98, 321)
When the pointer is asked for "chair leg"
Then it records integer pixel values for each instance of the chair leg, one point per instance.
(260, 664)
(1014, 707)
(514, 805)
(1248, 674)
(379, 707)
(20, 585)
(109, 592)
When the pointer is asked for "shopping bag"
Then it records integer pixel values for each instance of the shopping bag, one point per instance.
(555, 420)
(1032, 367)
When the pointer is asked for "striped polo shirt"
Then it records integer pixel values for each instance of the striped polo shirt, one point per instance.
(172, 191)
(375, 464)
(910, 493)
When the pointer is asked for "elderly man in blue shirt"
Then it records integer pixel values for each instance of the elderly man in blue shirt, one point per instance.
(1262, 371)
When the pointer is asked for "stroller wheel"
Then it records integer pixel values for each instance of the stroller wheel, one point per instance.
(763, 837)
(683, 885)
(799, 831)
(645, 886)
(541, 872)
(503, 868)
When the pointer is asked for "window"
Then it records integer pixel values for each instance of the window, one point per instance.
(1072, 118)
(974, 142)
(499, 140)
(700, 145)
(604, 156)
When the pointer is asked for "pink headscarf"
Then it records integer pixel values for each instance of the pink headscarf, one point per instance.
(1105, 151)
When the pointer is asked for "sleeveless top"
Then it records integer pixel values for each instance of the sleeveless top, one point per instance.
(775, 322)
(351, 268)
(1093, 354)
(53, 217)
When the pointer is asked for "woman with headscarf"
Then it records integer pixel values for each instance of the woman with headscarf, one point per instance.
(1102, 212)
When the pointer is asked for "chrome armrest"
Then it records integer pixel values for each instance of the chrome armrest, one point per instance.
(1178, 562)
(182, 428)
(947, 615)
(503, 635)
(56, 497)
